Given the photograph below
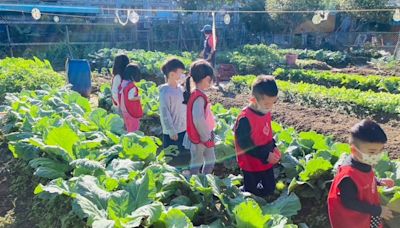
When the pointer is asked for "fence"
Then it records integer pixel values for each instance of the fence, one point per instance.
(25, 37)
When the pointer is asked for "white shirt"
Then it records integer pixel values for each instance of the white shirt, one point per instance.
(116, 82)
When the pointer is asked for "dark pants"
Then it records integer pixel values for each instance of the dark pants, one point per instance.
(167, 141)
(259, 183)
(183, 158)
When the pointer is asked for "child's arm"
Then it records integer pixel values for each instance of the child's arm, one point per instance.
(242, 134)
(199, 119)
(349, 198)
(387, 182)
(115, 84)
(132, 95)
(165, 115)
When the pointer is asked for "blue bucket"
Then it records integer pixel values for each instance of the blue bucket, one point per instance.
(79, 76)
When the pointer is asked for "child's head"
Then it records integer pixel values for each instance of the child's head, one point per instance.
(367, 140)
(173, 69)
(202, 74)
(265, 92)
(207, 30)
(120, 62)
(132, 72)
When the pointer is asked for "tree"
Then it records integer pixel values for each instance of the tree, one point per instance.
(382, 17)
(202, 4)
(255, 22)
(289, 21)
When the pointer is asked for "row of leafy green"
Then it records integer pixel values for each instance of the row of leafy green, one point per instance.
(122, 180)
(150, 61)
(333, 58)
(350, 81)
(264, 59)
(17, 74)
(349, 100)
(249, 59)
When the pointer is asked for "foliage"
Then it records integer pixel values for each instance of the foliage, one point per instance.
(148, 93)
(110, 178)
(17, 74)
(386, 63)
(311, 64)
(105, 97)
(291, 20)
(30, 209)
(255, 22)
(198, 5)
(350, 81)
(388, 168)
(256, 59)
(150, 61)
(349, 100)
(332, 58)
(263, 59)
(367, 4)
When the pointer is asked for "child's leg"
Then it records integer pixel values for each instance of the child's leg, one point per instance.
(167, 141)
(209, 160)
(259, 183)
(197, 158)
(131, 124)
(181, 137)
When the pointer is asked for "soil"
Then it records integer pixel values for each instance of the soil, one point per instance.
(98, 80)
(303, 118)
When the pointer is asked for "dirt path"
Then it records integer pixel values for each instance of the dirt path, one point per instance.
(327, 122)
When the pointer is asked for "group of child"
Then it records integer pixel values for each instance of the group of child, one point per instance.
(125, 93)
(185, 114)
(188, 123)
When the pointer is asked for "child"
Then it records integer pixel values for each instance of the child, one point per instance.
(131, 107)
(200, 120)
(353, 199)
(172, 109)
(120, 63)
(255, 147)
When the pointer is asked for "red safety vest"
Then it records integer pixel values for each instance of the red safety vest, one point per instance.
(191, 130)
(261, 134)
(341, 217)
(134, 108)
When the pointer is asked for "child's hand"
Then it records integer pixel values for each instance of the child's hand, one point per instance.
(387, 182)
(174, 137)
(273, 158)
(277, 152)
(386, 213)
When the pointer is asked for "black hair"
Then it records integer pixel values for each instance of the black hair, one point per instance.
(264, 86)
(367, 131)
(120, 63)
(132, 72)
(199, 70)
(208, 32)
(172, 65)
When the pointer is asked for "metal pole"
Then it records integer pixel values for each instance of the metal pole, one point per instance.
(67, 41)
(9, 41)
